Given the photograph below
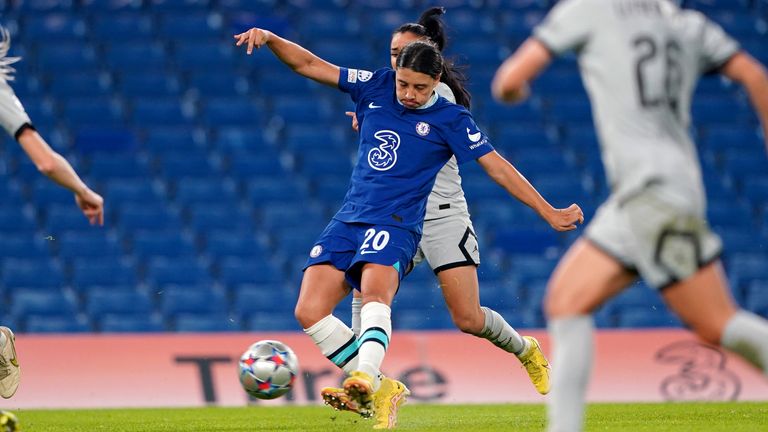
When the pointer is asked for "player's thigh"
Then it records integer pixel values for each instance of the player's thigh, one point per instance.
(585, 277)
(322, 288)
(379, 283)
(460, 289)
(703, 301)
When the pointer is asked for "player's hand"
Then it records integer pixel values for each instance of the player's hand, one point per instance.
(254, 37)
(565, 219)
(355, 126)
(92, 205)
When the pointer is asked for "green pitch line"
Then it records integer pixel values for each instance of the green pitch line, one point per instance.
(669, 417)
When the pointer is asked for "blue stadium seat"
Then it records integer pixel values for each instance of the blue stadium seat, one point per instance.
(498, 114)
(232, 112)
(206, 322)
(41, 6)
(15, 219)
(178, 5)
(91, 137)
(247, 166)
(738, 240)
(57, 324)
(756, 189)
(123, 26)
(67, 57)
(239, 271)
(25, 302)
(135, 56)
(190, 26)
(528, 268)
(275, 216)
(73, 245)
(728, 214)
(10, 194)
(173, 139)
(556, 83)
(92, 112)
(136, 191)
(159, 112)
(252, 299)
(72, 84)
(323, 163)
(513, 240)
(162, 271)
(115, 300)
(719, 138)
(433, 319)
(45, 192)
(638, 296)
(150, 217)
(214, 84)
(185, 165)
(272, 321)
(185, 299)
(202, 56)
(206, 217)
(106, 272)
(149, 84)
(205, 191)
(645, 317)
(245, 140)
(278, 190)
(296, 110)
(329, 23)
(162, 243)
(720, 109)
(308, 138)
(61, 27)
(131, 323)
(228, 242)
(27, 246)
(111, 166)
(32, 273)
(570, 110)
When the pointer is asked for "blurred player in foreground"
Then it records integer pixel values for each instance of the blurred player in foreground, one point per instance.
(640, 61)
(407, 134)
(16, 122)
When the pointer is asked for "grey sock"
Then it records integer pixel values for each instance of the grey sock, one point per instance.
(746, 334)
(573, 348)
(500, 333)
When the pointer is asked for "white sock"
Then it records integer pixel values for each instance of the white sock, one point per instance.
(336, 341)
(357, 303)
(501, 334)
(747, 335)
(573, 349)
(376, 326)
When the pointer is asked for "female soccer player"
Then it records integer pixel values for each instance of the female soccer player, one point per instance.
(449, 243)
(16, 122)
(407, 134)
(640, 60)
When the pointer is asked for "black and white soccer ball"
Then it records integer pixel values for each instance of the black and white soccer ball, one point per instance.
(268, 369)
(8, 422)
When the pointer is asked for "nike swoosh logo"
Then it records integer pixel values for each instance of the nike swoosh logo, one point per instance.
(474, 137)
(372, 106)
(368, 252)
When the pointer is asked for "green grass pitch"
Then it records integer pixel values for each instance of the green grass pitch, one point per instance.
(672, 417)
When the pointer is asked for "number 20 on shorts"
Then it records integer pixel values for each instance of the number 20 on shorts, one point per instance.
(376, 240)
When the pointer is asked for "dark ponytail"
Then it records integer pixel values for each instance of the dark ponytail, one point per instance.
(431, 26)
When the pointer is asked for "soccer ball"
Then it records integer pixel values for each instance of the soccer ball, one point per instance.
(268, 369)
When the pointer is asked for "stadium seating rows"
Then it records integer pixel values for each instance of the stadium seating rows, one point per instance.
(219, 174)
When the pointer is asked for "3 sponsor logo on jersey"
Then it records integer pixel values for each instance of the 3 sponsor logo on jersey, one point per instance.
(422, 128)
(384, 156)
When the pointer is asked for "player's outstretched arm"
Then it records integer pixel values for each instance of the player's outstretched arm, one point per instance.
(295, 56)
(506, 175)
(510, 84)
(750, 73)
(55, 167)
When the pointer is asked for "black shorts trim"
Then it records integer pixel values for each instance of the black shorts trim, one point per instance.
(21, 129)
(627, 266)
(455, 265)
(702, 264)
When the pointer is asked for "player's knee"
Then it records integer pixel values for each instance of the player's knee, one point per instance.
(469, 322)
(306, 316)
(557, 303)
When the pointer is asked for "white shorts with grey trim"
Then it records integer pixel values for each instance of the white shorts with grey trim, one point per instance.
(664, 242)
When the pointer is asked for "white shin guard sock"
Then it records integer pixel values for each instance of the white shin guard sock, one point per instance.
(573, 348)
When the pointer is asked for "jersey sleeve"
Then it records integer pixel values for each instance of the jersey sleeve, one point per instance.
(354, 81)
(716, 46)
(12, 114)
(567, 26)
(466, 140)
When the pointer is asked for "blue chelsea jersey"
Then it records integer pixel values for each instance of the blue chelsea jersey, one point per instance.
(401, 150)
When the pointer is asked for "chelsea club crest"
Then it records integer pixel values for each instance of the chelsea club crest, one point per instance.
(422, 128)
